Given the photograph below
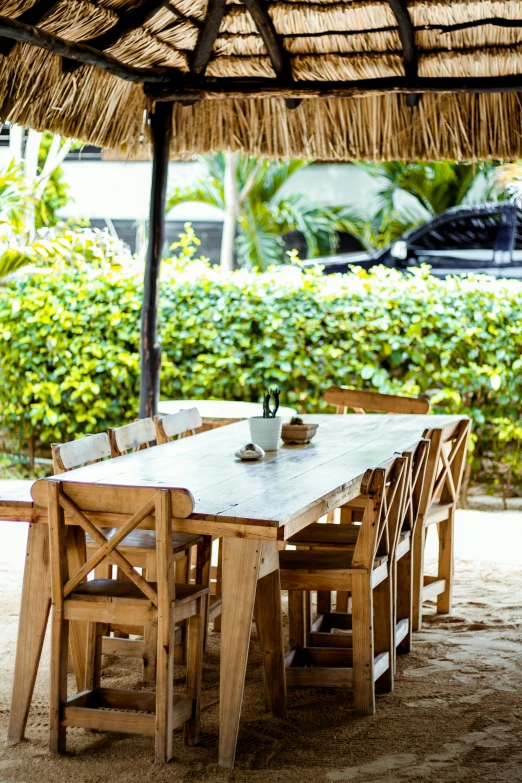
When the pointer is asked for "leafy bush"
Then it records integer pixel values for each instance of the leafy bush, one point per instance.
(69, 344)
(63, 244)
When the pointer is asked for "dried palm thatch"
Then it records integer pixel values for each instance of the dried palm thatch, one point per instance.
(267, 76)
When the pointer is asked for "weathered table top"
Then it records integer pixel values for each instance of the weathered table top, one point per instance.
(220, 409)
(272, 498)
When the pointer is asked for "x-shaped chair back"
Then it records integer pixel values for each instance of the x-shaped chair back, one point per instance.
(385, 488)
(445, 465)
(415, 472)
(74, 503)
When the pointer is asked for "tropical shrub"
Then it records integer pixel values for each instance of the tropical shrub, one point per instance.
(61, 245)
(263, 212)
(409, 193)
(69, 344)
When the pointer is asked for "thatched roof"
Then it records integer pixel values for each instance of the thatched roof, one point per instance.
(247, 75)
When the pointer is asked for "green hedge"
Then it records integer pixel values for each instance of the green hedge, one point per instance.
(69, 344)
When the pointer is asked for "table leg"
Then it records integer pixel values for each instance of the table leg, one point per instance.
(34, 613)
(269, 622)
(76, 556)
(240, 568)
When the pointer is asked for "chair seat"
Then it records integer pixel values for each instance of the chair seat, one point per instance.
(105, 590)
(146, 539)
(438, 512)
(315, 560)
(318, 534)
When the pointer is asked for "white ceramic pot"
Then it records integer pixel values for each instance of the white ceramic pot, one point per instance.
(266, 432)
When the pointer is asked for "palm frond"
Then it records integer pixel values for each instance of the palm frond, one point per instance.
(208, 192)
(259, 243)
(13, 259)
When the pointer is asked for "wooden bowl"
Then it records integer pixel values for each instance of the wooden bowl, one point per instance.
(298, 433)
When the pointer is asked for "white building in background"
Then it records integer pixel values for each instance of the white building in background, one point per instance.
(113, 191)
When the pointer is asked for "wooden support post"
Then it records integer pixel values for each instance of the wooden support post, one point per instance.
(150, 354)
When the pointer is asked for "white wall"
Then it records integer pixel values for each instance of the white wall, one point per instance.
(120, 190)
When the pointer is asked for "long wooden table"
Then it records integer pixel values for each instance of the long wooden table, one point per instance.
(251, 505)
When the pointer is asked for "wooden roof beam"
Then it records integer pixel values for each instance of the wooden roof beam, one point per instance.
(128, 21)
(451, 28)
(278, 55)
(409, 49)
(218, 89)
(207, 37)
(84, 54)
(443, 28)
(33, 16)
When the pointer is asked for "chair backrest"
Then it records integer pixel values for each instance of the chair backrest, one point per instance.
(445, 465)
(72, 503)
(361, 401)
(139, 435)
(178, 424)
(416, 461)
(384, 487)
(80, 452)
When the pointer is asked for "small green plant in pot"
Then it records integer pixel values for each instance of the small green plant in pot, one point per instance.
(265, 430)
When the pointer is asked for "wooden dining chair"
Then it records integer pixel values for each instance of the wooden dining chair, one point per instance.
(366, 571)
(417, 460)
(101, 602)
(80, 452)
(140, 549)
(445, 468)
(181, 424)
(332, 629)
(362, 401)
(444, 472)
(131, 437)
(177, 425)
(140, 435)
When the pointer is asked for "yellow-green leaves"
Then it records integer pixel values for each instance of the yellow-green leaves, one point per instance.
(69, 344)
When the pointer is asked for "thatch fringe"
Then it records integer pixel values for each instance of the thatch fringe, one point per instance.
(35, 92)
(461, 127)
(337, 40)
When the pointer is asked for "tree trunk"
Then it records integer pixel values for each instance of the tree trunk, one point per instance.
(231, 210)
(150, 354)
(16, 135)
(32, 148)
(55, 157)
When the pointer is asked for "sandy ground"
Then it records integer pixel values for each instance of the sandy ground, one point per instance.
(455, 714)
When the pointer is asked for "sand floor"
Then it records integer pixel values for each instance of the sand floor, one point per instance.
(455, 714)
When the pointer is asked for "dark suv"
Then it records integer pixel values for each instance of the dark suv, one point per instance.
(483, 239)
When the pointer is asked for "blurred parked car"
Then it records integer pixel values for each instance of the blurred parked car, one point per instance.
(478, 239)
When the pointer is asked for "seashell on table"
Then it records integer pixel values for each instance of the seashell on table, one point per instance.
(250, 451)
